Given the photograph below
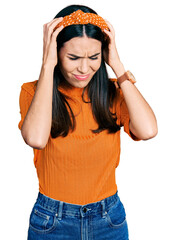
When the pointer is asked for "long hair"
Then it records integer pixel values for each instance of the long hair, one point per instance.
(101, 91)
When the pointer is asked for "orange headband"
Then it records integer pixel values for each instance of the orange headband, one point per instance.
(79, 17)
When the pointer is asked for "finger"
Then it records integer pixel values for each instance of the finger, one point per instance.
(49, 29)
(51, 25)
(110, 27)
(57, 31)
(54, 20)
(108, 33)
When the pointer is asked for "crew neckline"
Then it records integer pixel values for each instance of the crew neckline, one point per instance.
(70, 90)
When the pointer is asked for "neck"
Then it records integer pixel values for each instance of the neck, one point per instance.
(69, 89)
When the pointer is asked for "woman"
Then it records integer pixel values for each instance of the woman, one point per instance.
(71, 117)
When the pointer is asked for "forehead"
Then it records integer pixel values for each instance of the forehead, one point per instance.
(80, 45)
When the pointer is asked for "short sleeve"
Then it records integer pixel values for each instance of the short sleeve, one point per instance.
(125, 118)
(25, 99)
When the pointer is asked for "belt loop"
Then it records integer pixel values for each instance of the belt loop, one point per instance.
(59, 214)
(103, 208)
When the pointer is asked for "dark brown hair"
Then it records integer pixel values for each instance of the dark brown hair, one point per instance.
(101, 91)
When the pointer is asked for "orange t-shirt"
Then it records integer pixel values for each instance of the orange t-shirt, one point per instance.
(78, 168)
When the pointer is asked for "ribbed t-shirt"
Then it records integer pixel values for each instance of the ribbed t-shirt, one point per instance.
(79, 168)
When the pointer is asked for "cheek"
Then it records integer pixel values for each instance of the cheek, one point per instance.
(68, 66)
(96, 65)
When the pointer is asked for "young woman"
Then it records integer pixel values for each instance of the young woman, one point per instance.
(71, 117)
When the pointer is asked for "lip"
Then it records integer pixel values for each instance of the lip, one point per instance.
(81, 77)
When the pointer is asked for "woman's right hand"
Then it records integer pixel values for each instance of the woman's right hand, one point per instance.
(49, 42)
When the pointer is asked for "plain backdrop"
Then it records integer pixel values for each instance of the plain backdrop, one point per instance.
(146, 175)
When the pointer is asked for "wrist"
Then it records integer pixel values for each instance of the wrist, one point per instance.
(123, 82)
(119, 70)
(47, 67)
(126, 77)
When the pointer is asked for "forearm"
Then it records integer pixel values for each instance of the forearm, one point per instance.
(37, 124)
(143, 122)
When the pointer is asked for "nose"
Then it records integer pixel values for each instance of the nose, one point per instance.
(84, 66)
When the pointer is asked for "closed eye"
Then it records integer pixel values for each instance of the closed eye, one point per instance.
(78, 57)
(74, 57)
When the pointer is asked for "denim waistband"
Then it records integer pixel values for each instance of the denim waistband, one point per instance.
(59, 207)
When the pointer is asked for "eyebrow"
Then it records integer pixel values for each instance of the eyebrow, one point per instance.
(82, 57)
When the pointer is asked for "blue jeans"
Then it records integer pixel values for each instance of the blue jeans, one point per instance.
(56, 220)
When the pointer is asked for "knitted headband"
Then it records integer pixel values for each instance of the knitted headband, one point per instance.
(79, 17)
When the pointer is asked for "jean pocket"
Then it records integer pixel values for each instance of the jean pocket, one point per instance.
(116, 215)
(42, 220)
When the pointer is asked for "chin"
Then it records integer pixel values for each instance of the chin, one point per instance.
(81, 84)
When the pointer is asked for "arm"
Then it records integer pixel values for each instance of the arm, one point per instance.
(143, 123)
(37, 123)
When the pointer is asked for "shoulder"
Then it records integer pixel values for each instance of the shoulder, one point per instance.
(29, 87)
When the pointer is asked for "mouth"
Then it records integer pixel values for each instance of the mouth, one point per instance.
(81, 77)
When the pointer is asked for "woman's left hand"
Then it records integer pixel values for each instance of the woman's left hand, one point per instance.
(110, 53)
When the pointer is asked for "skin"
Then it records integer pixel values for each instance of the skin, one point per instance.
(84, 48)
(143, 123)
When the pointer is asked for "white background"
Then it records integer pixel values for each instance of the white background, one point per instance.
(145, 38)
